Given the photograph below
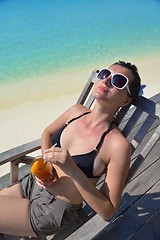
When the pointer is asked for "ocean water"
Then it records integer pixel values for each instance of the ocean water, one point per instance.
(40, 37)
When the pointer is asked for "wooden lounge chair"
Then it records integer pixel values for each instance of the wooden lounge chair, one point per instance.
(141, 126)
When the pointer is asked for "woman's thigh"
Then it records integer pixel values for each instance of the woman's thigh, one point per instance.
(14, 191)
(15, 212)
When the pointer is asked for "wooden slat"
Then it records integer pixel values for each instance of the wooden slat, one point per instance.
(132, 122)
(17, 155)
(121, 114)
(14, 172)
(148, 106)
(90, 101)
(144, 140)
(134, 218)
(19, 152)
(142, 161)
(87, 89)
(149, 230)
(142, 132)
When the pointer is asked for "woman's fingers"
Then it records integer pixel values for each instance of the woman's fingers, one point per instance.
(40, 183)
(61, 158)
(52, 149)
(54, 154)
(49, 153)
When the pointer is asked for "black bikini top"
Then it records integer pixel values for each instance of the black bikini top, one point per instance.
(84, 161)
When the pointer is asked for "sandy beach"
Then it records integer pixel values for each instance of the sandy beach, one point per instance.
(24, 118)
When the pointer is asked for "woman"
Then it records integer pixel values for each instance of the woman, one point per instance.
(88, 145)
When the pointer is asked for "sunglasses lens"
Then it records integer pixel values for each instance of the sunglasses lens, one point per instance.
(103, 74)
(119, 81)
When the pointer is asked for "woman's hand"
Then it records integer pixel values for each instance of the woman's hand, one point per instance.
(40, 183)
(51, 177)
(61, 158)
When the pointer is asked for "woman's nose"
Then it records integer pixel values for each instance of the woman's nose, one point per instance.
(107, 81)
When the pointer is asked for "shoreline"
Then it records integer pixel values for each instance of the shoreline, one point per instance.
(43, 88)
(25, 121)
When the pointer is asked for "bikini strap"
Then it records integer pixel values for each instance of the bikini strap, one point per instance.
(75, 118)
(103, 136)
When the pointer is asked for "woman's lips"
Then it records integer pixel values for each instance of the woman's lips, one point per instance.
(102, 89)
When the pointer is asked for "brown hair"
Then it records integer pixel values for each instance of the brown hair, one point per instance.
(134, 85)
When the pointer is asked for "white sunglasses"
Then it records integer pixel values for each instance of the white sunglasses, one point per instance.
(118, 80)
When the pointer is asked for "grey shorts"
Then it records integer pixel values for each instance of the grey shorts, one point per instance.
(48, 214)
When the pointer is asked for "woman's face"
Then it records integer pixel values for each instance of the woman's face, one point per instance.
(104, 90)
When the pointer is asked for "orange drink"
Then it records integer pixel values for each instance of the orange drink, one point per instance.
(42, 170)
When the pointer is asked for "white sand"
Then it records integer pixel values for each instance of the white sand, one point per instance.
(23, 120)
(26, 122)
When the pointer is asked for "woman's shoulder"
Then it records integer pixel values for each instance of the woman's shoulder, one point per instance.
(117, 140)
(76, 110)
(79, 107)
(116, 146)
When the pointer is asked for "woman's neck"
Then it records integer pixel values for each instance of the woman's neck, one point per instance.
(100, 116)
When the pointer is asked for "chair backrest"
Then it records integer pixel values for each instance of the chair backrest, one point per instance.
(86, 97)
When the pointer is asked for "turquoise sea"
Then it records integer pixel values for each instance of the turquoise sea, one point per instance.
(41, 37)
